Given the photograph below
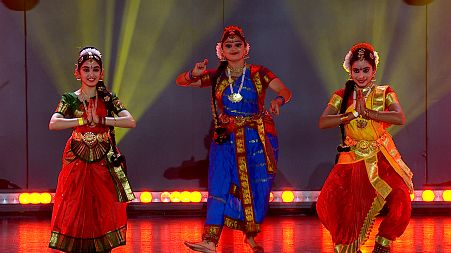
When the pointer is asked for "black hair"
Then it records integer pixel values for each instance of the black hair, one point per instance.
(91, 54)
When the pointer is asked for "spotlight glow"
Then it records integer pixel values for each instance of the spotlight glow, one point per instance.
(428, 196)
(145, 197)
(287, 196)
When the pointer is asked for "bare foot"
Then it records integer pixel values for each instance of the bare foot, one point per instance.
(255, 247)
(203, 246)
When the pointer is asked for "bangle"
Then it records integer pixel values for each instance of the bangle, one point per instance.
(81, 121)
(343, 119)
(355, 113)
(366, 113)
(283, 99)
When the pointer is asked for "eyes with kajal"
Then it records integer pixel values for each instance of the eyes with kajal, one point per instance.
(86, 69)
(364, 70)
(236, 44)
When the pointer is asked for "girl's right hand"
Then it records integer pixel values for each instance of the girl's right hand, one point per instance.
(200, 68)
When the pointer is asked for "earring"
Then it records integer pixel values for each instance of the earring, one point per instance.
(222, 57)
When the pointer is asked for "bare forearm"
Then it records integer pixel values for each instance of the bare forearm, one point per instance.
(124, 121)
(286, 94)
(57, 123)
(391, 117)
(330, 121)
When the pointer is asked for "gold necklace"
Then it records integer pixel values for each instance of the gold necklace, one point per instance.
(236, 71)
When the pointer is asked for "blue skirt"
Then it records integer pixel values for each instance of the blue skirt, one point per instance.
(223, 182)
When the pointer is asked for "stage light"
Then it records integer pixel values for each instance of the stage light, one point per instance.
(196, 197)
(24, 198)
(35, 198)
(428, 196)
(145, 197)
(45, 198)
(185, 196)
(287, 196)
(418, 2)
(447, 195)
(175, 197)
(271, 197)
(165, 197)
(24, 5)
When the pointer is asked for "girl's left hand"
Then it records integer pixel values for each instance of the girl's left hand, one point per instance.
(95, 117)
(274, 107)
(360, 103)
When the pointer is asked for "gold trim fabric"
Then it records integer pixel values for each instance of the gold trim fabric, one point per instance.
(383, 241)
(365, 230)
(212, 233)
(335, 101)
(391, 98)
(243, 176)
(121, 183)
(104, 243)
(257, 82)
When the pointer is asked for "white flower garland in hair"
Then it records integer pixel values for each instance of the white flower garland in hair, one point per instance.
(347, 64)
(220, 54)
(92, 50)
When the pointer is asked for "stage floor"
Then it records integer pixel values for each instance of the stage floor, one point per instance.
(288, 234)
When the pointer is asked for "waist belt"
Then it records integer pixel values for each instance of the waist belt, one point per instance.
(89, 146)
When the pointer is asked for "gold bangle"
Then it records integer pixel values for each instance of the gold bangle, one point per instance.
(81, 122)
(343, 119)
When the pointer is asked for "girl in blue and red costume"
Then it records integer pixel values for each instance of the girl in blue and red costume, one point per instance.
(369, 173)
(243, 154)
(89, 214)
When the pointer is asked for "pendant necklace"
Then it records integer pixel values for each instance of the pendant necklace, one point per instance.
(235, 97)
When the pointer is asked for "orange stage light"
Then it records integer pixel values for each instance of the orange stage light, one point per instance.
(196, 197)
(175, 196)
(46, 198)
(287, 196)
(165, 197)
(271, 197)
(185, 196)
(24, 198)
(145, 197)
(428, 196)
(447, 195)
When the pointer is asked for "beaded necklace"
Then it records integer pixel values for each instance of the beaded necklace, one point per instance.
(235, 97)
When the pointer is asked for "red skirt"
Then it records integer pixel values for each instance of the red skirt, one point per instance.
(347, 198)
(87, 216)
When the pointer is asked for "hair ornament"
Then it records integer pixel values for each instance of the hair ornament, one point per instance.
(347, 61)
(90, 51)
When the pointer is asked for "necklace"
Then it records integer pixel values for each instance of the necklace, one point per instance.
(235, 97)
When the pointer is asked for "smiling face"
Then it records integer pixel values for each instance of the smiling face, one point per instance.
(362, 72)
(90, 73)
(234, 48)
